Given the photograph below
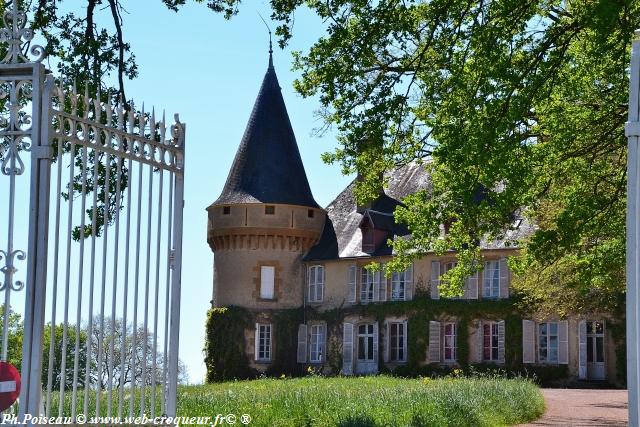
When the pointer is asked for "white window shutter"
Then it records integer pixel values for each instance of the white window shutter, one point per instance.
(376, 340)
(323, 354)
(404, 344)
(486, 284)
(501, 341)
(311, 279)
(383, 284)
(267, 277)
(582, 350)
(323, 341)
(563, 342)
(256, 342)
(352, 280)
(270, 342)
(471, 287)
(387, 341)
(480, 342)
(347, 348)
(504, 279)
(320, 283)
(528, 341)
(408, 283)
(376, 285)
(302, 343)
(435, 279)
(434, 342)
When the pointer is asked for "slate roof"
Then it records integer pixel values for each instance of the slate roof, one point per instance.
(342, 238)
(267, 167)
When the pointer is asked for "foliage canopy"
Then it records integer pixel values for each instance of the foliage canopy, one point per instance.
(515, 106)
(517, 109)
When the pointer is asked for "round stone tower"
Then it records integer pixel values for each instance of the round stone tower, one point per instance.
(266, 219)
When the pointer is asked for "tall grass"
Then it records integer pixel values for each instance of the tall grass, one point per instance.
(368, 401)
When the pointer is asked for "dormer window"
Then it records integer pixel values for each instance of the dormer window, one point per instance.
(368, 238)
(269, 210)
(376, 228)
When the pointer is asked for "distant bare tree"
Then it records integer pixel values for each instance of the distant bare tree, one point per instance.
(107, 341)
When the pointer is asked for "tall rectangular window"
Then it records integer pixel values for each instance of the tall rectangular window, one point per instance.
(366, 286)
(490, 341)
(450, 342)
(316, 283)
(491, 282)
(365, 342)
(263, 342)
(548, 342)
(397, 340)
(399, 282)
(316, 345)
(267, 278)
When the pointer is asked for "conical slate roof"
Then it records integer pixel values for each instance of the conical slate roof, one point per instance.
(267, 167)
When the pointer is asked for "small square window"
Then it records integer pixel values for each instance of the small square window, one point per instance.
(226, 210)
(310, 213)
(269, 210)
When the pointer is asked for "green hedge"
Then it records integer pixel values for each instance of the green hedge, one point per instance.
(225, 358)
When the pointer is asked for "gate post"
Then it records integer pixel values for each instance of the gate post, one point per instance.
(178, 131)
(632, 131)
(30, 394)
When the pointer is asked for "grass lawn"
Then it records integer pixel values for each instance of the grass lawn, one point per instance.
(368, 401)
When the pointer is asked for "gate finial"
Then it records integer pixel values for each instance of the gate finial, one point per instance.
(18, 36)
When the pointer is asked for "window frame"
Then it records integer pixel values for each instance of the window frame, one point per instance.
(366, 337)
(454, 345)
(318, 285)
(493, 348)
(369, 290)
(317, 347)
(269, 209)
(493, 290)
(399, 343)
(267, 341)
(548, 340)
(399, 280)
(273, 282)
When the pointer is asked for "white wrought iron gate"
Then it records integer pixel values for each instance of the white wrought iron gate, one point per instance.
(104, 242)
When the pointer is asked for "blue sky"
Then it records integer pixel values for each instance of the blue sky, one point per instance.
(209, 70)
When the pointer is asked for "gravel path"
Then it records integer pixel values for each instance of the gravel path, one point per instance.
(575, 407)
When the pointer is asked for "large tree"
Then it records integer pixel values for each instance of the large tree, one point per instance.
(515, 106)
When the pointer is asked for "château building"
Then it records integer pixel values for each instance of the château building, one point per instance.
(276, 249)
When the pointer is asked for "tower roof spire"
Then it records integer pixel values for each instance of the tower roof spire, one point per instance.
(270, 51)
(270, 44)
(268, 167)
